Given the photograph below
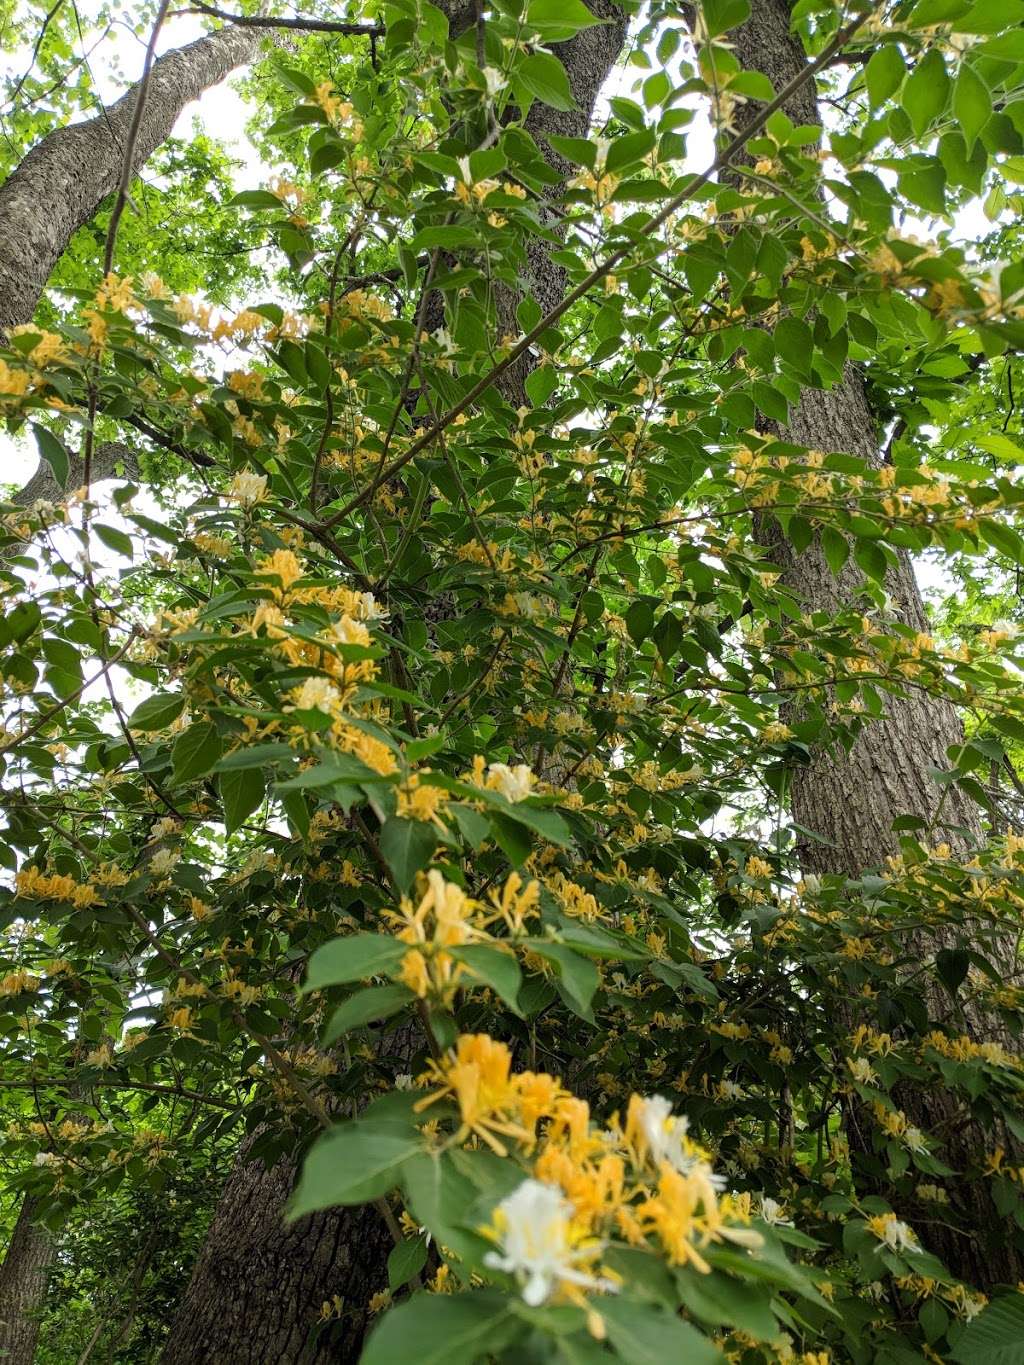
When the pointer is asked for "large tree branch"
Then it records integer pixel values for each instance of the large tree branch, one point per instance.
(64, 178)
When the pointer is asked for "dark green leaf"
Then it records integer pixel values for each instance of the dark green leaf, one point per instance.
(157, 711)
(407, 845)
(374, 1002)
(195, 752)
(353, 959)
(352, 1164)
(241, 791)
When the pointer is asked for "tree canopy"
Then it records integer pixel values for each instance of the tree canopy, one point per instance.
(487, 743)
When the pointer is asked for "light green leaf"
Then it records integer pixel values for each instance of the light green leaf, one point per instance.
(555, 21)
(645, 1334)
(884, 73)
(722, 15)
(972, 103)
(996, 1335)
(926, 91)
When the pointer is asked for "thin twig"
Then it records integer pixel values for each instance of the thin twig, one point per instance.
(47, 716)
(301, 25)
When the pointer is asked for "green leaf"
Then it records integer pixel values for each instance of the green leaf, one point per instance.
(647, 1334)
(722, 15)
(115, 540)
(972, 103)
(555, 21)
(996, 1335)
(926, 91)
(925, 185)
(640, 620)
(407, 845)
(195, 752)
(258, 756)
(441, 1195)
(54, 452)
(405, 1261)
(241, 792)
(353, 959)
(494, 968)
(628, 149)
(157, 711)
(254, 199)
(352, 1164)
(952, 965)
(374, 1002)
(442, 1329)
(871, 558)
(794, 342)
(544, 77)
(884, 73)
(578, 975)
(836, 549)
(720, 1299)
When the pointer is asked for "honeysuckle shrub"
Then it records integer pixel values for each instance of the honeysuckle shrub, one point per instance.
(405, 714)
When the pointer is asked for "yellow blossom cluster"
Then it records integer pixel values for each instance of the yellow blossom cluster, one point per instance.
(36, 885)
(643, 1181)
(447, 918)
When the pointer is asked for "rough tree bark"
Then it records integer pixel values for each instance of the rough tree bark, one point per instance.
(64, 178)
(849, 799)
(257, 1288)
(23, 1276)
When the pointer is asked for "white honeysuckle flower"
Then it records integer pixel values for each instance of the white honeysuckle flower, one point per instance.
(915, 1140)
(370, 609)
(666, 1136)
(514, 784)
(861, 1070)
(317, 694)
(496, 81)
(248, 488)
(464, 170)
(534, 1228)
(773, 1213)
(893, 1233)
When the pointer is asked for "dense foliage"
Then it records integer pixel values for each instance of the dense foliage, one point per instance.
(467, 694)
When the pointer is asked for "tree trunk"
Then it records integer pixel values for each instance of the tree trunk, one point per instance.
(64, 178)
(849, 799)
(23, 1278)
(258, 1285)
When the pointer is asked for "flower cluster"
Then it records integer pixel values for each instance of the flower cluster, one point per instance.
(644, 1182)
